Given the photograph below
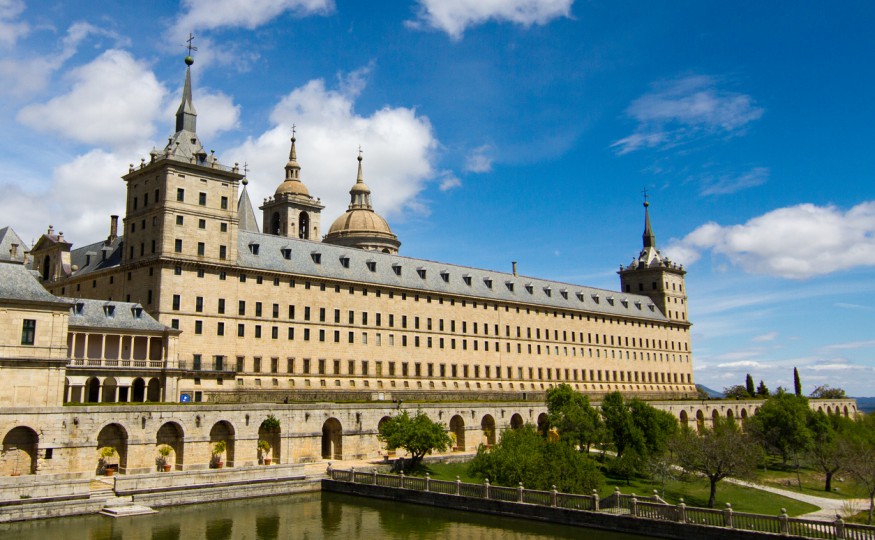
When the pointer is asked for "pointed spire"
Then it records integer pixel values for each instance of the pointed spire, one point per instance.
(360, 194)
(245, 212)
(360, 179)
(648, 236)
(186, 115)
(293, 170)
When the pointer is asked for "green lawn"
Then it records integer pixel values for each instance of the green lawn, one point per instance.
(812, 481)
(694, 492)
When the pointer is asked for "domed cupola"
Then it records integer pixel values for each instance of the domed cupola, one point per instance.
(292, 211)
(361, 227)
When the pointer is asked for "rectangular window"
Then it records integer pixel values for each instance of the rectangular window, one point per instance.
(241, 307)
(201, 247)
(256, 364)
(179, 220)
(224, 203)
(180, 195)
(202, 199)
(223, 253)
(258, 309)
(176, 302)
(220, 329)
(28, 331)
(177, 245)
(198, 327)
(201, 224)
(199, 304)
(221, 306)
(258, 330)
(241, 330)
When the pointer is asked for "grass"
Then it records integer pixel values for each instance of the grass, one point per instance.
(776, 475)
(694, 491)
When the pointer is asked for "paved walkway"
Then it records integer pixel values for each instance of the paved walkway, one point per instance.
(829, 508)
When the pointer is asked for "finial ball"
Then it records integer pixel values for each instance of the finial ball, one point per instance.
(245, 182)
(189, 60)
(646, 204)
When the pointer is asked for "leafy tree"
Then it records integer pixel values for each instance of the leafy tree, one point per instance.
(781, 426)
(718, 452)
(523, 455)
(826, 392)
(418, 435)
(637, 425)
(762, 390)
(579, 423)
(861, 457)
(828, 451)
(618, 423)
(748, 384)
(736, 391)
(797, 382)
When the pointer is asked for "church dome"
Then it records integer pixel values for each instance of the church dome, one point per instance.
(292, 184)
(360, 221)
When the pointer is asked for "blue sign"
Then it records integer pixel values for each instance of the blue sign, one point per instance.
(185, 398)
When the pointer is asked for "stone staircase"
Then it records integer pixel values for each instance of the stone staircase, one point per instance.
(114, 506)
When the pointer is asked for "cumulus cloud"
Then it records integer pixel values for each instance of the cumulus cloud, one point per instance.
(398, 146)
(11, 29)
(678, 111)
(795, 242)
(211, 14)
(113, 101)
(479, 160)
(449, 181)
(728, 184)
(455, 16)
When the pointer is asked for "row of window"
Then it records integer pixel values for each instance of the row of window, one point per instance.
(180, 197)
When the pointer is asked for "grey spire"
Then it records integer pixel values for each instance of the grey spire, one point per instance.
(245, 212)
(648, 236)
(186, 115)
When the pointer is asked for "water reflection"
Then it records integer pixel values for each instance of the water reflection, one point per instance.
(310, 516)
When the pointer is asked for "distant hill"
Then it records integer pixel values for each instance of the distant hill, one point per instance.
(866, 404)
(714, 394)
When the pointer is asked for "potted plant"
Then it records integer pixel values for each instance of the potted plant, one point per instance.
(105, 455)
(264, 448)
(219, 448)
(161, 461)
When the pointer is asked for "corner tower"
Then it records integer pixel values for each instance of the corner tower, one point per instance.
(292, 211)
(656, 276)
(360, 227)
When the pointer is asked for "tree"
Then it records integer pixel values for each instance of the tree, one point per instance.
(797, 382)
(637, 425)
(418, 435)
(781, 426)
(524, 456)
(861, 457)
(618, 423)
(718, 452)
(762, 390)
(579, 423)
(748, 383)
(736, 391)
(826, 392)
(828, 451)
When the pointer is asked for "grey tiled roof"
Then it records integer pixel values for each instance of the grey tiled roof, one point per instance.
(283, 254)
(19, 283)
(112, 315)
(248, 222)
(7, 238)
(90, 258)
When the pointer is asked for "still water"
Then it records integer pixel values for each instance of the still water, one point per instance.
(308, 516)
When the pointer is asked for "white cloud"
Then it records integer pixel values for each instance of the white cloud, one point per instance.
(210, 14)
(114, 101)
(678, 111)
(398, 150)
(479, 160)
(851, 345)
(11, 29)
(728, 184)
(216, 112)
(449, 181)
(795, 242)
(455, 16)
(770, 336)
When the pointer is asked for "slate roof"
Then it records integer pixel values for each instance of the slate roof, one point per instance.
(7, 238)
(292, 255)
(248, 222)
(112, 315)
(19, 284)
(90, 258)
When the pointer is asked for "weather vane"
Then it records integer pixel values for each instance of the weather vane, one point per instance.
(645, 194)
(190, 46)
(245, 168)
(293, 130)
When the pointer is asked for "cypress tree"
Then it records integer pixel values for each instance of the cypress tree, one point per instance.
(797, 384)
(751, 391)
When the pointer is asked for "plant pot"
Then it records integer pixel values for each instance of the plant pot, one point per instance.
(267, 461)
(167, 468)
(219, 465)
(110, 472)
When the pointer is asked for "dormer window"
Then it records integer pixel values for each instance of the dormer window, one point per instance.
(625, 302)
(445, 276)
(287, 253)
(488, 282)
(580, 296)
(80, 307)
(611, 300)
(372, 266)
(421, 272)
(317, 257)
(509, 285)
(253, 248)
(548, 291)
(109, 310)
(397, 269)
(651, 306)
(564, 293)
(530, 288)
(638, 304)
(344, 261)
(595, 297)
(467, 279)
(137, 311)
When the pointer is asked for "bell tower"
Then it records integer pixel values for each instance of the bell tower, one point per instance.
(292, 211)
(654, 275)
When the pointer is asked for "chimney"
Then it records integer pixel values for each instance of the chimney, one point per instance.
(13, 252)
(113, 229)
(514, 267)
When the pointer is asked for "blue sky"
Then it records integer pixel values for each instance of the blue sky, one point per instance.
(495, 131)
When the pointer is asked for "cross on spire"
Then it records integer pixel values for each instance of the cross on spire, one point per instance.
(245, 168)
(190, 46)
(645, 195)
(293, 130)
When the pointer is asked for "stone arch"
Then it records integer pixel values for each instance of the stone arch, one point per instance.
(743, 415)
(110, 389)
(116, 436)
(700, 420)
(457, 428)
(173, 436)
(274, 439)
(304, 225)
(846, 411)
(153, 390)
(19, 452)
(715, 415)
(730, 414)
(820, 408)
(684, 418)
(275, 224)
(543, 424)
(487, 426)
(92, 390)
(332, 439)
(516, 421)
(47, 263)
(223, 431)
(828, 409)
(138, 390)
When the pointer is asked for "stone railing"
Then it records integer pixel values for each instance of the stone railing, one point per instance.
(623, 505)
(116, 363)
